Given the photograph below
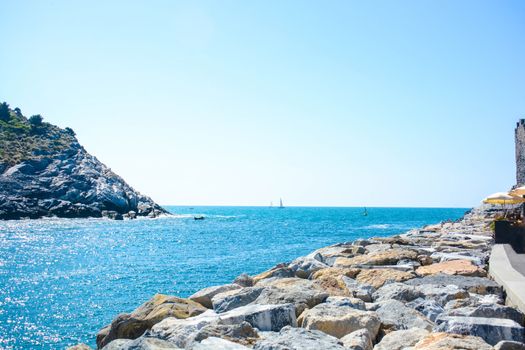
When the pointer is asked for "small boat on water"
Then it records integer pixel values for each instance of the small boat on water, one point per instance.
(198, 217)
(281, 206)
(365, 213)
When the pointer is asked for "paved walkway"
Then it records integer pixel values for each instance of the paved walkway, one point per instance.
(517, 261)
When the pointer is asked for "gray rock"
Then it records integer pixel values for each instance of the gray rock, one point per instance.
(474, 300)
(354, 303)
(262, 317)
(182, 332)
(244, 280)
(397, 291)
(358, 340)
(509, 345)
(142, 343)
(358, 290)
(492, 330)
(442, 294)
(399, 340)
(490, 311)
(304, 267)
(395, 315)
(214, 343)
(242, 332)
(479, 285)
(430, 308)
(205, 295)
(232, 299)
(298, 339)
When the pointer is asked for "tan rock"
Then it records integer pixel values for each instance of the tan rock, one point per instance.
(378, 277)
(133, 325)
(281, 270)
(339, 321)
(330, 280)
(446, 341)
(452, 267)
(388, 257)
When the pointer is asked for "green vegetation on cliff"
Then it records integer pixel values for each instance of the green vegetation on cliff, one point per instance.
(24, 138)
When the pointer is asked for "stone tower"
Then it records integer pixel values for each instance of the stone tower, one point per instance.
(520, 152)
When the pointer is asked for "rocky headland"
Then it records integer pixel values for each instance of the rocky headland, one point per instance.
(44, 171)
(426, 289)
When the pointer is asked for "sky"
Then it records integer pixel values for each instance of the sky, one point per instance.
(322, 103)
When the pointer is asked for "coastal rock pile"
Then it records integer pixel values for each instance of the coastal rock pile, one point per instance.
(424, 290)
(44, 171)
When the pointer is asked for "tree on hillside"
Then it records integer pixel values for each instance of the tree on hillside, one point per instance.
(18, 111)
(70, 131)
(4, 112)
(36, 120)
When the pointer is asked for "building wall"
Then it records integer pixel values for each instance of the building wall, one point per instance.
(520, 152)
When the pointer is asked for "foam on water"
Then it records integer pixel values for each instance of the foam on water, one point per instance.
(61, 280)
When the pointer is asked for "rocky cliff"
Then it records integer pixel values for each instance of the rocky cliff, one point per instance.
(44, 171)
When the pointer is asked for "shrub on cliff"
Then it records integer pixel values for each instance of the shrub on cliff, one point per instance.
(36, 120)
(4, 112)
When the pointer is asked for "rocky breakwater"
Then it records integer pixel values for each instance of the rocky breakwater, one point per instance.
(424, 290)
(44, 171)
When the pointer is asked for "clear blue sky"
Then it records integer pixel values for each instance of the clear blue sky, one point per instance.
(376, 103)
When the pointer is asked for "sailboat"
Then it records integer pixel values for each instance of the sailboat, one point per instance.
(281, 206)
(365, 213)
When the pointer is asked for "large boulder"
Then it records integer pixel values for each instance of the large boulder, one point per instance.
(214, 343)
(305, 266)
(300, 292)
(358, 290)
(442, 294)
(509, 345)
(242, 332)
(262, 317)
(445, 341)
(339, 321)
(183, 332)
(133, 325)
(204, 296)
(232, 299)
(430, 308)
(142, 343)
(395, 315)
(399, 340)
(490, 311)
(278, 271)
(387, 257)
(452, 267)
(331, 280)
(378, 277)
(492, 330)
(358, 340)
(478, 285)
(290, 338)
(397, 291)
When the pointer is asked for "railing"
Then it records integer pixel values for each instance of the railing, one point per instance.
(507, 232)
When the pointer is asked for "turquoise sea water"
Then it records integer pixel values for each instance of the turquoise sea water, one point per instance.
(61, 280)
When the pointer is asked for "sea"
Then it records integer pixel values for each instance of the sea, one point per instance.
(61, 280)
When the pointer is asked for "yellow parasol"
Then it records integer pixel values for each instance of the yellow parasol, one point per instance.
(503, 198)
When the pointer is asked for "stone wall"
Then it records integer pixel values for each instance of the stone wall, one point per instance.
(520, 152)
